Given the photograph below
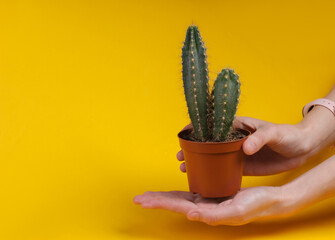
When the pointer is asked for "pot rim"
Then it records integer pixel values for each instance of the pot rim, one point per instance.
(246, 132)
(212, 147)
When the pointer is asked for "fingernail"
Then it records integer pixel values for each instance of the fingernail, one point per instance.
(194, 216)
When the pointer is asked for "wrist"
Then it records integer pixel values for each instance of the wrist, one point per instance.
(291, 199)
(307, 137)
(318, 129)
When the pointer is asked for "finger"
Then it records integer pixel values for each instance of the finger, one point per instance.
(183, 167)
(262, 136)
(138, 199)
(180, 155)
(189, 126)
(248, 123)
(176, 201)
(223, 215)
(176, 194)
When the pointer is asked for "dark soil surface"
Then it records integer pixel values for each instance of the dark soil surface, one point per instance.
(233, 136)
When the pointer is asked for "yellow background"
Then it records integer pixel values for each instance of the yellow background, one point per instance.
(91, 102)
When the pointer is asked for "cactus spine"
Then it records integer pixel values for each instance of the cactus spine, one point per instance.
(211, 114)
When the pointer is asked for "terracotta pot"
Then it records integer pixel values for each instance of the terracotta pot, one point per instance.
(214, 169)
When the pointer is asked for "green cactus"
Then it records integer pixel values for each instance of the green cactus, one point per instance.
(226, 93)
(211, 113)
(195, 78)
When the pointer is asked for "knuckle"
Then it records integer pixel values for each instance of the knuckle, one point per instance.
(305, 147)
(212, 220)
(153, 203)
(272, 130)
(240, 212)
(147, 204)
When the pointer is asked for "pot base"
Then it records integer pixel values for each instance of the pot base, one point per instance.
(221, 195)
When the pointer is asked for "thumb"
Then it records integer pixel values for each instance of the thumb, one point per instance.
(261, 137)
(189, 126)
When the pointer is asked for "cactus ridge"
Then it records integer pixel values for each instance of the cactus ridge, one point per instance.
(210, 116)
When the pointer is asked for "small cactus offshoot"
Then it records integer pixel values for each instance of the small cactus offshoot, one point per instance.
(211, 113)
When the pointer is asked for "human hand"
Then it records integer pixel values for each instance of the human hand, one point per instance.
(249, 204)
(272, 148)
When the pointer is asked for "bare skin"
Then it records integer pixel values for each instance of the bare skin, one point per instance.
(272, 148)
(280, 142)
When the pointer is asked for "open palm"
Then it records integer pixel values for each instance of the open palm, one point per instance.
(247, 205)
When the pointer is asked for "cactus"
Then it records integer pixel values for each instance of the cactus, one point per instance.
(226, 93)
(195, 78)
(211, 113)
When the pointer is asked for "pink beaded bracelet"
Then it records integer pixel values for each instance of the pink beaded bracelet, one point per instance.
(319, 102)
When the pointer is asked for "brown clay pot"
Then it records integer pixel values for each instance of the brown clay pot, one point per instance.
(214, 169)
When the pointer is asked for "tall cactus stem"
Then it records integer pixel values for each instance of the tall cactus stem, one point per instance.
(195, 81)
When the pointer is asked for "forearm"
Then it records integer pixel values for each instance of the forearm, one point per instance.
(319, 126)
(313, 186)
